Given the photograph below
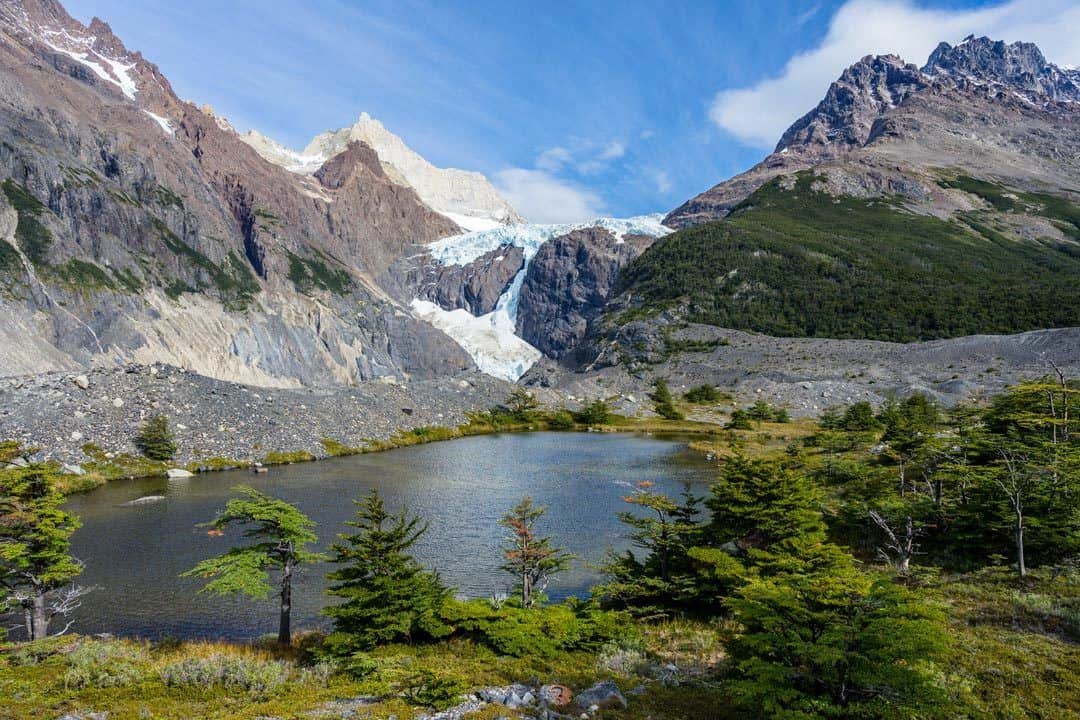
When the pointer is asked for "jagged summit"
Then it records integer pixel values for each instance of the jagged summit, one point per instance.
(981, 102)
(854, 101)
(467, 198)
(1019, 66)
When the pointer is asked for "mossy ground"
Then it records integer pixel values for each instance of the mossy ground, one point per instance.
(1002, 663)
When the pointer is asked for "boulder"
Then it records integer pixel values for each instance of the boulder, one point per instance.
(555, 695)
(603, 695)
(72, 469)
(175, 473)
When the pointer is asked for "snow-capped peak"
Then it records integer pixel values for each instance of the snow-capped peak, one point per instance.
(467, 198)
(95, 47)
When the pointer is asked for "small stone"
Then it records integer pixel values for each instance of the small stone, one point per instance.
(82, 381)
(76, 436)
(117, 403)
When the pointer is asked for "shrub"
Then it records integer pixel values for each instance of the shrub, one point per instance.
(859, 418)
(561, 420)
(539, 631)
(431, 690)
(249, 674)
(740, 420)
(105, 664)
(595, 413)
(622, 657)
(703, 395)
(155, 440)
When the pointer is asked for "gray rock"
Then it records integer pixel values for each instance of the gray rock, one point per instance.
(69, 469)
(178, 473)
(568, 283)
(603, 695)
(82, 381)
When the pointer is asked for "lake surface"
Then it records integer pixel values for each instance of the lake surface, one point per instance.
(135, 554)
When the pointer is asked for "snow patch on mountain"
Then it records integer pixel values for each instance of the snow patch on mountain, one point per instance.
(82, 51)
(491, 339)
(163, 122)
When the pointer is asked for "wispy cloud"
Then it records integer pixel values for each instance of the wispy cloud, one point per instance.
(542, 197)
(759, 114)
(663, 182)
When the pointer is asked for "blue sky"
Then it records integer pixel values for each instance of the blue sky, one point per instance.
(572, 109)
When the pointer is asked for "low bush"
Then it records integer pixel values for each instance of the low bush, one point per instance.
(538, 631)
(250, 674)
(95, 664)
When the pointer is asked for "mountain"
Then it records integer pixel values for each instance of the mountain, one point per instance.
(993, 108)
(135, 226)
(467, 198)
(909, 204)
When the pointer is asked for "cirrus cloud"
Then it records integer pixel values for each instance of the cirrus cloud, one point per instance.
(759, 114)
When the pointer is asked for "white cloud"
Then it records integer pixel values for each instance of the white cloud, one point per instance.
(613, 151)
(544, 198)
(663, 182)
(554, 159)
(758, 115)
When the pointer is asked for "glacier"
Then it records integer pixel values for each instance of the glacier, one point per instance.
(491, 340)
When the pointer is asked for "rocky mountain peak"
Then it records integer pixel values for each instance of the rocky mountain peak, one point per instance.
(1020, 66)
(853, 102)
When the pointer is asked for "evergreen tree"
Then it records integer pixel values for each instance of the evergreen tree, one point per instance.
(740, 420)
(663, 578)
(595, 413)
(36, 568)
(663, 403)
(280, 533)
(155, 440)
(756, 504)
(387, 595)
(521, 404)
(530, 558)
(859, 417)
(818, 638)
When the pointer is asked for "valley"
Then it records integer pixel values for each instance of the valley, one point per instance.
(320, 428)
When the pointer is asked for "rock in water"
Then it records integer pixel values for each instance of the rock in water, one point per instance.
(146, 500)
(176, 473)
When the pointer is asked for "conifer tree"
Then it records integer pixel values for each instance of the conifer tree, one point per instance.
(36, 569)
(387, 595)
(532, 559)
(521, 404)
(663, 403)
(155, 440)
(756, 503)
(280, 533)
(663, 578)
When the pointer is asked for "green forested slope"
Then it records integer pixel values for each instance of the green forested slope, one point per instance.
(795, 262)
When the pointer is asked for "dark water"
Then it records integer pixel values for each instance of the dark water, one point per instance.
(134, 554)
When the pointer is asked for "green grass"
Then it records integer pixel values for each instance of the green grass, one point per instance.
(799, 263)
(33, 237)
(307, 274)
(83, 275)
(236, 285)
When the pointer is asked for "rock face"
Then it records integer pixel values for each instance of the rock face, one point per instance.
(567, 284)
(137, 227)
(994, 109)
(475, 287)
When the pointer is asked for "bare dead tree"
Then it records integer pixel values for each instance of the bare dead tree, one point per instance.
(899, 549)
(1017, 482)
(41, 609)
